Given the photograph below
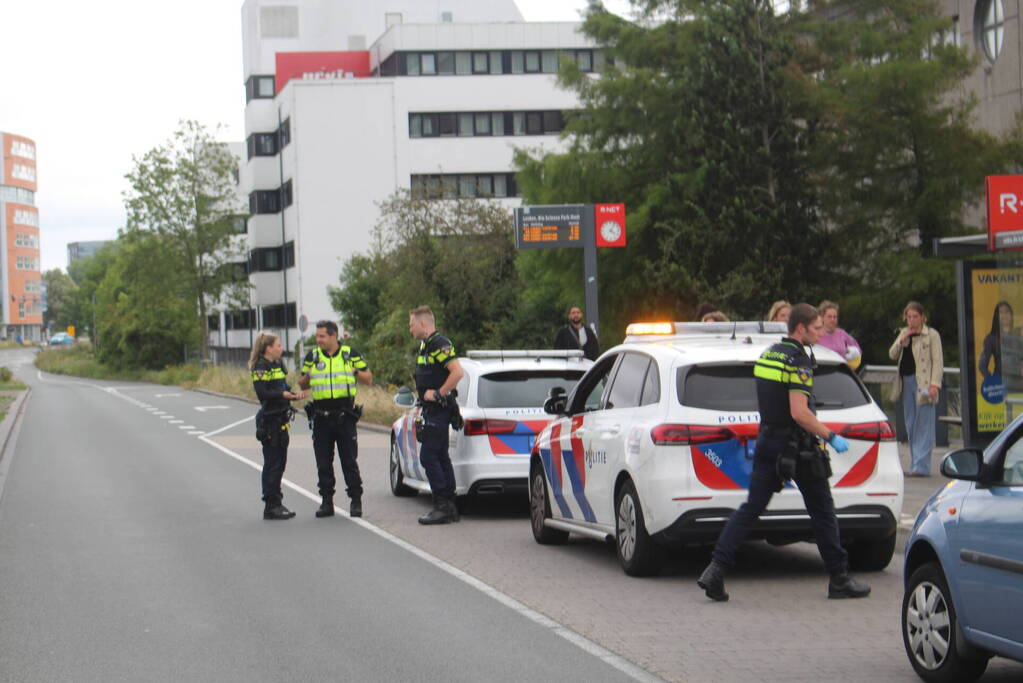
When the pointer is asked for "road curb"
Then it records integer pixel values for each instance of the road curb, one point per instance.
(7, 426)
(368, 426)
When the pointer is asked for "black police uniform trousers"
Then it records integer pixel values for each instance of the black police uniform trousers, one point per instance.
(433, 452)
(340, 431)
(816, 496)
(275, 459)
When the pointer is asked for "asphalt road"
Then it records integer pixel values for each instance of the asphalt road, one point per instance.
(132, 550)
(131, 546)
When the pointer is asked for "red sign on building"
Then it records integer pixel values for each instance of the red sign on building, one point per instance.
(609, 220)
(1004, 212)
(321, 66)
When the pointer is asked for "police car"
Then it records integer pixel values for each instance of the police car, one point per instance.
(653, 448)
(501, 400)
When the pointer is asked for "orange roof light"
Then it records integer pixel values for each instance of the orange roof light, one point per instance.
(650, 328)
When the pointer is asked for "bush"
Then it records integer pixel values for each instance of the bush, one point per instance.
(5, 374)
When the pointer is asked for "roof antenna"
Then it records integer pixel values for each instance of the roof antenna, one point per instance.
(734, 325)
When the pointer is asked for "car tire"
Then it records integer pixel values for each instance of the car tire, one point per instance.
(871, 555)
(929, 628)
(638, 554)
(397, 479)
(540, 511)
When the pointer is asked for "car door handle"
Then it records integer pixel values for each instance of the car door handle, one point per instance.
(613, 430)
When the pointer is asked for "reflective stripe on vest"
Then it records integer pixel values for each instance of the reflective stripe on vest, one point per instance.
(270, 375)
(335, 380)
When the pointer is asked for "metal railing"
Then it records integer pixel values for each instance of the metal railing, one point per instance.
(879, 380)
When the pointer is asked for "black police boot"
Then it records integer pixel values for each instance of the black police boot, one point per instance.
(275, 510)
(712, 581)
(440, 514)
(326, 508)
(842, 585)
(355, 509)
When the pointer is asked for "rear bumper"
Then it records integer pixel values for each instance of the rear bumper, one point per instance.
(856, 522)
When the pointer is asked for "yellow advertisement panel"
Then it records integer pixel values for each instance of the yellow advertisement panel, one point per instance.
(997, 297)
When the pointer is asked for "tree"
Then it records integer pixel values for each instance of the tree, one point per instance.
(59, 299)
(184, 192)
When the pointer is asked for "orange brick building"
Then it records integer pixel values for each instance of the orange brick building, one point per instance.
(20, 276)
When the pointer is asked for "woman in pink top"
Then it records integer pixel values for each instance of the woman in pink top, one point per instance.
(835, 338)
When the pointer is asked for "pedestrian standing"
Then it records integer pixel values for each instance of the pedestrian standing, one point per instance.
(273, 421)
(835, 338)
(917, 349)
(437, 374)
(779, 311)
(789, 446)
(577, 335)
(330, 372)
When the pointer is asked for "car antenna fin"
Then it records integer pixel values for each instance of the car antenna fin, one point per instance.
(734, 325)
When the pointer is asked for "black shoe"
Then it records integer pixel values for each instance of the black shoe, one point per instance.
(277, 511)
(326, 508)
(440, 514)
(712, 581)
(452, 508)
(355, 509)
(842, 585)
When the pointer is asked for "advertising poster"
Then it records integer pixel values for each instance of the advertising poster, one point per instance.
(997, 346)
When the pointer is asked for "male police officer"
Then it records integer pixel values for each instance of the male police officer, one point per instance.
(437, 374)
(329, 372)
(788, 448)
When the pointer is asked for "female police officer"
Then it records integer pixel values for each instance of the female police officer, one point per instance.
(273, 419)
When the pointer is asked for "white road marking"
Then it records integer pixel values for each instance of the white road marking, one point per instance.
(165, 395)
(187, 427)
(233, 424)
(175, 422)
(195, 432)
(579, 640)
(166, 417)
(203, 409)
(159, 412)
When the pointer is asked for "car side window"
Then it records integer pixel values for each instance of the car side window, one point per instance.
(652, 386)
(588, 392)
(1013, 465)
(628, 381)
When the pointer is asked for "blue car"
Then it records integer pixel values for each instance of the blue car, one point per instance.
(964, 565)
(62, 338)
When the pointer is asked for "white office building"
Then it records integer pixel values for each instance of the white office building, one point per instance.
(348, 101)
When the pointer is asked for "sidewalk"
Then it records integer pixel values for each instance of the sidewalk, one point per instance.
(919, 489)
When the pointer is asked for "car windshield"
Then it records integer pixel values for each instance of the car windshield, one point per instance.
(731, 387)
(523, 388)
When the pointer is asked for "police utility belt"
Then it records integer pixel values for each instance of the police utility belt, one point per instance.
(332, 415)
(270, 425)
(805, 455)
(435, 416)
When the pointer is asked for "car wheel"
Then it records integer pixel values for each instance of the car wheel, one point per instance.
(540, 511)
(929, 630)
(398, 486)
(637, 552)
(871, 555)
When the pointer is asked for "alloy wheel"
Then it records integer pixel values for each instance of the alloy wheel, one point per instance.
(928, 625)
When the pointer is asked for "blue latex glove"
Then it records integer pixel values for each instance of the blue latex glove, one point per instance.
(838, 443)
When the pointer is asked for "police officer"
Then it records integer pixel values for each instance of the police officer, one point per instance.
(273, 419)
(788, 448)
(329, 372)
(437, 374)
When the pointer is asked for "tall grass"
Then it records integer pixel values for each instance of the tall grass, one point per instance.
(79, 360)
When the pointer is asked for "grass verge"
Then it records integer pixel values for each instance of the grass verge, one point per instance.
(80, 361)
(5, 403)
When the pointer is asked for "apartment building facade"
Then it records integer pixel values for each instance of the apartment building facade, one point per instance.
(20, 277)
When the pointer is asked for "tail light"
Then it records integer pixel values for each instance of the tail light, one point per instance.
(689, 435)
(479, 427)
(869, 431)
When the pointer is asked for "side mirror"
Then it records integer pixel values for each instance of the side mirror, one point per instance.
(557, 401)
(404, 398)
(966, 464)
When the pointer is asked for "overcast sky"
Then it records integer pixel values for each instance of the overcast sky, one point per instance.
(94, 83)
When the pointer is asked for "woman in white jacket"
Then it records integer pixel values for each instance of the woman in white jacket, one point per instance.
(917, 350)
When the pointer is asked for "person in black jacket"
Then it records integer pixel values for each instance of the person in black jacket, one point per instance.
(575, 335)
(269, 379)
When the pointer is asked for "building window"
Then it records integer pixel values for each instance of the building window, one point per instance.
(31, 286)
(239, 225)
(518, 64)
(262, 145)
(240, 320)
(476, 124)
(284, 132)
(468, 63)
(18, 195)
(269, 258)
(286, 194)
(428, 64)
(480, 63)
(259, 87)
(213, 322)
(24, 217)
(23, 172)
(21, 309)
(280, 315)
(26, 263)
(264, 201)
(989, 23)
(23, 239)
(463, 186)
(23, 149)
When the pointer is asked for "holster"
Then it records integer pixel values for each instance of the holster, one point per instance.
(272, 428)
(810, 454)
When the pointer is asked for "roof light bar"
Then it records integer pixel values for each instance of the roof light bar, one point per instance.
(650, 328)
(682, 329)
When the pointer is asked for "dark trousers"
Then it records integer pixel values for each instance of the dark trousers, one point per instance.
(433, 453)
(327, 433)
(275, 459)
(816, 496)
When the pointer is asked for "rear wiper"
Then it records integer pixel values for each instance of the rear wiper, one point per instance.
(829, 404)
